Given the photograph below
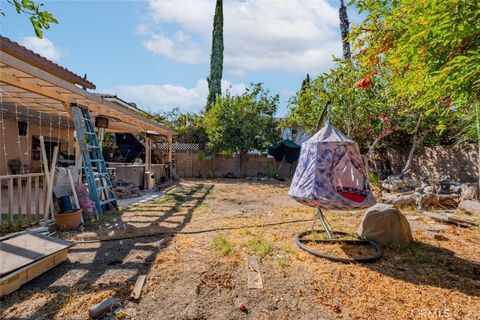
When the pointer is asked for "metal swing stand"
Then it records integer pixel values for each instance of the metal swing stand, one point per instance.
(302, 242)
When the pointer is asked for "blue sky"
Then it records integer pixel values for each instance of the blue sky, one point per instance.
(156, 53)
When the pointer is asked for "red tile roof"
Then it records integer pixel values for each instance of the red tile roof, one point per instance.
(22, 53)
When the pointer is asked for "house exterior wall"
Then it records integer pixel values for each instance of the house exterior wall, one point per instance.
(14, 146)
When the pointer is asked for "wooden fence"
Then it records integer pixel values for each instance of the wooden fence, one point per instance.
(188, 165)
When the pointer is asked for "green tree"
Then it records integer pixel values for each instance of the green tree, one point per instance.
(39, 18)
(238, 124)
(344, 30)
(188, 126)
(216, 56)
(431, 47)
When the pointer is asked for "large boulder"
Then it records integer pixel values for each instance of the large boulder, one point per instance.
(386, 225)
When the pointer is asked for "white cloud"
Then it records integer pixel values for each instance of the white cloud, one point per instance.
(298, 36)
(166, 96)
(43, 47)
(180, 48)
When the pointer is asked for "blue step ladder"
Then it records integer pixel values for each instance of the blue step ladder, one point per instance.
(99, 184)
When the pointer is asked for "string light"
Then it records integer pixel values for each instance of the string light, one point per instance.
(23, 103)
(3, 137)
(28, 136)
(68, 136)
(18, 137)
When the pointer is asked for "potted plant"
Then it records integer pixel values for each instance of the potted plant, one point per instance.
(68, 218)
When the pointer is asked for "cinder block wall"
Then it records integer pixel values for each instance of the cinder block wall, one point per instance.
(436, 162)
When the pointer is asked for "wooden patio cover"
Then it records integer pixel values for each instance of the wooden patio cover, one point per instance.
(29, 79)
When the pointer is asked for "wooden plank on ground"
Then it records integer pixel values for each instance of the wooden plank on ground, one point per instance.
(464, 222)
(254, 279)
(137, 289)
(102, 307)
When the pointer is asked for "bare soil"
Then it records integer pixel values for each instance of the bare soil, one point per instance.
(192, 244)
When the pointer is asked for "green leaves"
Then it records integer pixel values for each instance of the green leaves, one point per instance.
(216, 56)
(39, 18)
(188, 126)
(239, 124)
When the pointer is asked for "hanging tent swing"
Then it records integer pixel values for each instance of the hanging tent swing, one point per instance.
(331, 175)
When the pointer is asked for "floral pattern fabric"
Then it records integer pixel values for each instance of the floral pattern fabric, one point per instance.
(313, 183)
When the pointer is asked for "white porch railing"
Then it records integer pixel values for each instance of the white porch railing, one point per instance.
(22, 197)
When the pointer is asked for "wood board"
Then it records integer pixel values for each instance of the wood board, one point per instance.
(450, 218)
(254, 279)
(25, 248)
(27, 255)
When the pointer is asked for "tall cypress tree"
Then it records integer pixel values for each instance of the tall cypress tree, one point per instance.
(216, 56)
(344, 29)
(306, 84)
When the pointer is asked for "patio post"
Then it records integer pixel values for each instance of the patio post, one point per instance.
(170, 155)
(148, 153)
(170, 140)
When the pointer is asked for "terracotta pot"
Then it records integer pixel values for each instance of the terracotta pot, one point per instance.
(69, 220)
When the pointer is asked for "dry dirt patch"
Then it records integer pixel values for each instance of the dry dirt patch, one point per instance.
(188, 277)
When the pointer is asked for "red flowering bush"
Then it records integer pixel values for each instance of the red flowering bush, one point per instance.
(364, 83)
(380, 126)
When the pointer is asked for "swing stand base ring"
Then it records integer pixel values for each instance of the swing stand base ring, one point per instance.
(301, 241)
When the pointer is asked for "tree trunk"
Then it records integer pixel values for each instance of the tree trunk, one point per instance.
(478, 141)
(366, 157)
(216, 56)
(344, 29)
(412, 149)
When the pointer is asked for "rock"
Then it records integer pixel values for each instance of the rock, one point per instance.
(401, 199)
(393, 184)
(411, 183)
(102, 307)
(426, 200)
(243, 307)
(448, 200)
(386, 225)
(469, 191)
(470, 206)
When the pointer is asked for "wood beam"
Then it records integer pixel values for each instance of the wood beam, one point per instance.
(90, 100)
(49, 93)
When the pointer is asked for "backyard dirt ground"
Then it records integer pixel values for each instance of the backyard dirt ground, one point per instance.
(192, 245)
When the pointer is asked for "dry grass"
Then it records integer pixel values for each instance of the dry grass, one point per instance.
(201, 272)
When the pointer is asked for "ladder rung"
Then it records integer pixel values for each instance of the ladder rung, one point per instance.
(105, 188)
(107, 201)
(100, 174)
(86, 119)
